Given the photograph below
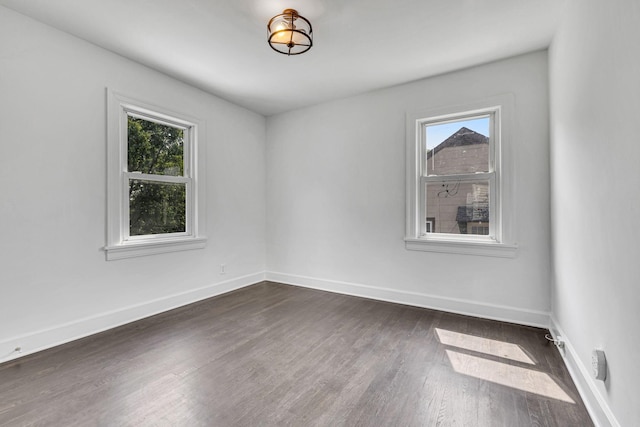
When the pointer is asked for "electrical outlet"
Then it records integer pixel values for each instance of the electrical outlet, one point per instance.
(599, 364)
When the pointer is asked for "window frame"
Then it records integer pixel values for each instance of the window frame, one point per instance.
(120, 244)
(500, 242)
(490, 176)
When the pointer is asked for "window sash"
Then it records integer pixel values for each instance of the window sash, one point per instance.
(156, 178)
(126, 225)
(494, 135)
(494, 226)
(188, 130)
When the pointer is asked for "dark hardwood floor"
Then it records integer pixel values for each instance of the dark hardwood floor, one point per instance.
(276, 355)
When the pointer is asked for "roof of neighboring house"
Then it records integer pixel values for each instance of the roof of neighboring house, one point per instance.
(464, 136)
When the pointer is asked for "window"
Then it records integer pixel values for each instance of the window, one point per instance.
(152, 180)
(457, 197)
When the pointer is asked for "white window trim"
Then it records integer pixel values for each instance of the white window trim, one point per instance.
(501, 241)
(119, 244)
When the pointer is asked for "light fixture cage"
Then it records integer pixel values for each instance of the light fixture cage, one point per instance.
(289, 33)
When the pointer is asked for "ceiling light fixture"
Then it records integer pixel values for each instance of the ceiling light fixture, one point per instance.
(290, 33)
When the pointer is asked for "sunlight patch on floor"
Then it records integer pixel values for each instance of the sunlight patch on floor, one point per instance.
(483, 345)
(524, 379)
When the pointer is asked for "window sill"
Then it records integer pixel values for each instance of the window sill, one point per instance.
(137, 249)
(490, 249)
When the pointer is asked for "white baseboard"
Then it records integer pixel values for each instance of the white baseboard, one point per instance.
(452, 305)
(64, 333)
(596, 404)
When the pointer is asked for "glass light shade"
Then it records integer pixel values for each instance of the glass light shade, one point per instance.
(290, 33)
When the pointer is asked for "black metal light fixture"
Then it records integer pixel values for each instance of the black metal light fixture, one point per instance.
(290, 33)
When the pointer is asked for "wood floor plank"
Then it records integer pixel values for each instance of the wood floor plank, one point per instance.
(279, 355)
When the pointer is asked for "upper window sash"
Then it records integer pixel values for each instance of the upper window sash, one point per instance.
(491, 113)
(189, 133)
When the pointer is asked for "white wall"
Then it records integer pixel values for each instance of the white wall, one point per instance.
(54, 281)
(595, 153)
(336, 197)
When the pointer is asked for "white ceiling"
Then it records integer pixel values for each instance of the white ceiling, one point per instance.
(359, 45)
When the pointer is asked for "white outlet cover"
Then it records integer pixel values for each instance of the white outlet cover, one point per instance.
(599, 364)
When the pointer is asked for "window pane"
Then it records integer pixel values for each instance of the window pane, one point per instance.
(458, 207)
(156, 207)
(458, 147)
(154, 148)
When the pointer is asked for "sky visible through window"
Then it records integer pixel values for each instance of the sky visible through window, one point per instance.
(439, 132)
